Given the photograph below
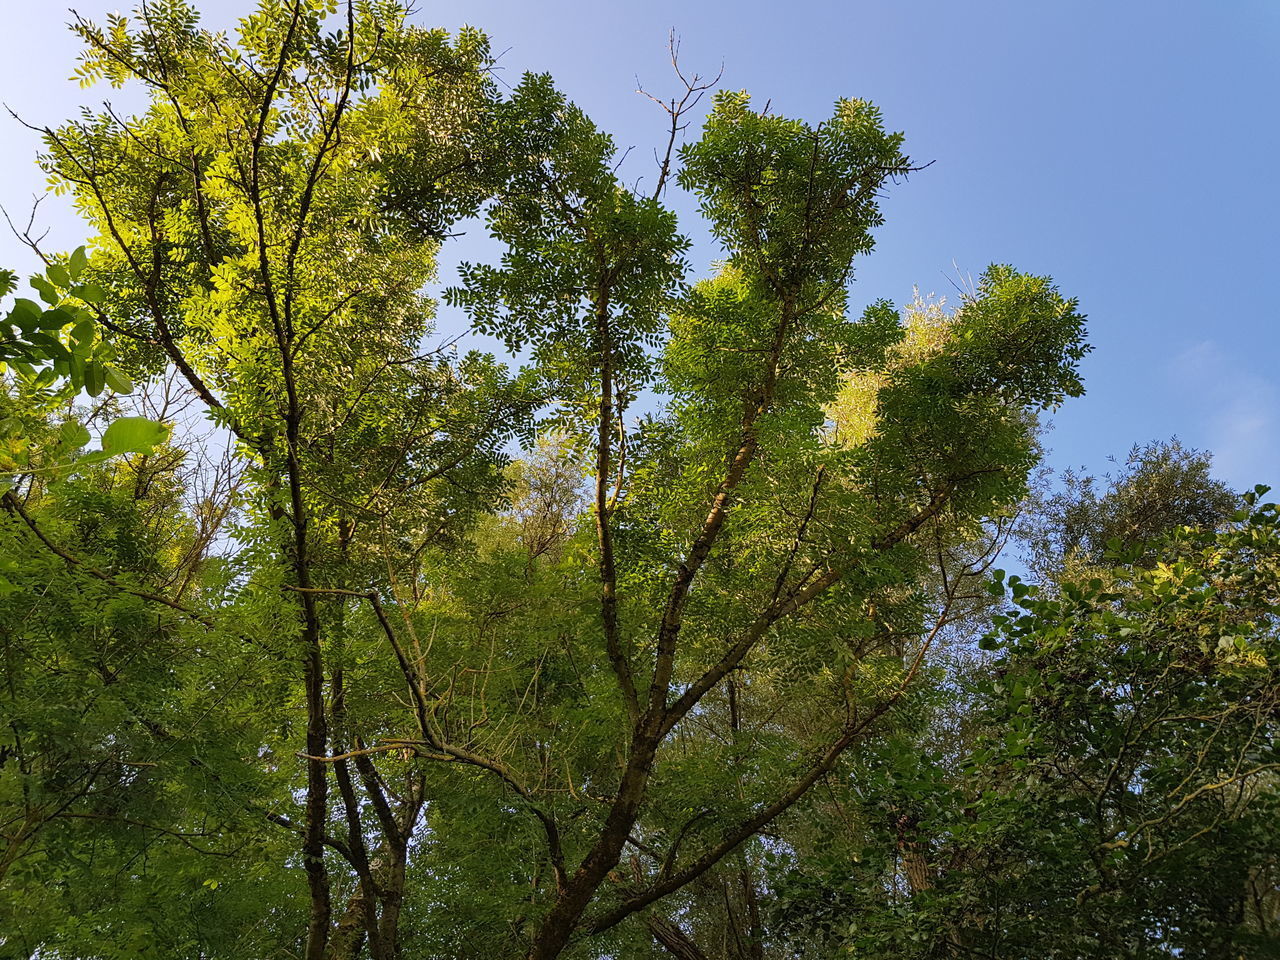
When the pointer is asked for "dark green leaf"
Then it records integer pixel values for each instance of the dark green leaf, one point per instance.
(57, 273)
(95, 377)
(25, 313)
(79, 260)
(56, 319)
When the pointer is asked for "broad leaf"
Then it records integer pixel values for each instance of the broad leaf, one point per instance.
(133, 435)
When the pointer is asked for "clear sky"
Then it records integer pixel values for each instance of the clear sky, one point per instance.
(1125, 147)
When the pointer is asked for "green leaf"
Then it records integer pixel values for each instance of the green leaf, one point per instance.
(73, 435)
(89, 293)
(79, 260)
(82, 334)
(25, 313)
(49, 345)
(118, 382)
(92, 457)
(56, 319)
(133, 435)
(47, 293)
(77, 371)
(95, 378)
(59, 275)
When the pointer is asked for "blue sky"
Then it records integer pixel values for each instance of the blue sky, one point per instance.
(1125, 148)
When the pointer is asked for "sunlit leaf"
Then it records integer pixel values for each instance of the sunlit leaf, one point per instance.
(133, 435)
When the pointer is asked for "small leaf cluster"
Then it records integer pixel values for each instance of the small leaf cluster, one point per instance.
(59, 341)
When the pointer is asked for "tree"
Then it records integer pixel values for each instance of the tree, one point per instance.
(476, 717)
(54, 353)
(1161, 486)
(1114, 793)
(1144, 714)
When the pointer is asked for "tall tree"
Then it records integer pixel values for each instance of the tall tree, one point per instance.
(1159, 487)
(482, 718)
(1112, 787)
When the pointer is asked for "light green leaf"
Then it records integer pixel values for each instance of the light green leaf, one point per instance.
(133, 435)
(74, 435)
(92, 457)
(118, 382)
(46, 290)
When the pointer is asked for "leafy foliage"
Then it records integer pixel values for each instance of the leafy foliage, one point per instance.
(1159, 487)
(1114, 791)
(372, 684)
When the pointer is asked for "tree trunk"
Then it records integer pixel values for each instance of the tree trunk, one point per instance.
(673, 939)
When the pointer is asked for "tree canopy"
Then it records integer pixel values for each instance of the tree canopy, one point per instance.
(352, 643)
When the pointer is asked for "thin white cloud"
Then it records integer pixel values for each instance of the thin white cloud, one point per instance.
(1237, 413)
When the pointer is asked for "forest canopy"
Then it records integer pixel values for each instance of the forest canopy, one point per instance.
(674, 628)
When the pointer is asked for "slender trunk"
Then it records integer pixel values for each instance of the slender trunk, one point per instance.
(558, 926)
(373, 910)
(560, 922)
(392, 879)
(392, 863)
(755, 934)
(914, 853)
(347, 939)
(672, 939)
(313, 679)
(604, 534)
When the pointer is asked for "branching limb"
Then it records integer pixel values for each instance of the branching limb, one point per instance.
(434, 745)
(14, 506)
(695, 88)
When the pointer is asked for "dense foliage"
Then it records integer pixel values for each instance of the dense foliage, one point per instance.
(656, 635)
(1114, 794)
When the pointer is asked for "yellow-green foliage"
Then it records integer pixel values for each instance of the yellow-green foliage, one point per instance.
(926, 327)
